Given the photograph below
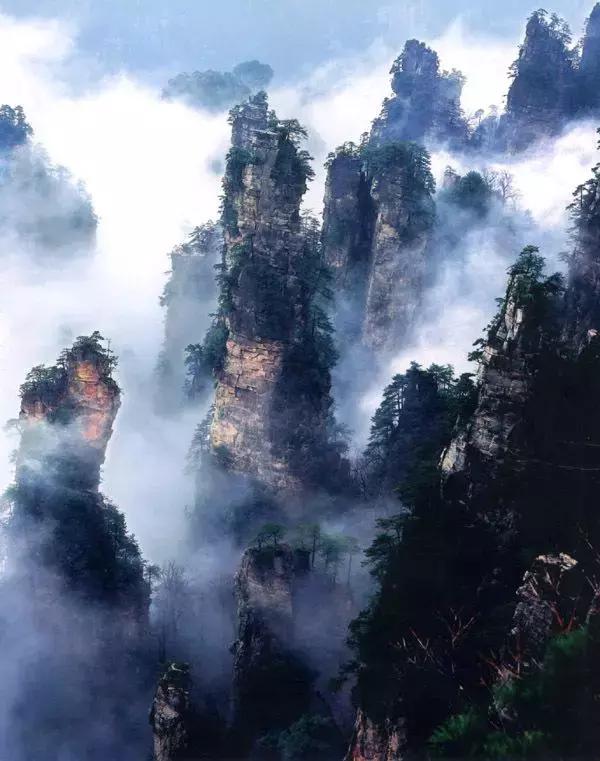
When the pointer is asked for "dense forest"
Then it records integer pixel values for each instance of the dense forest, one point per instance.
(428, 590)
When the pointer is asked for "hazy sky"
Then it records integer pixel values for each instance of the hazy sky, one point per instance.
(162, 37)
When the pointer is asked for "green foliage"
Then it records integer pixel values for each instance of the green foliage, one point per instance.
(14, 129)
(410, 165)
(412, 425)
(43, 383)
(270, 532)
(311, 738)
(47, 383)
(551, 709)
(204, 361)
(292, 168)
(471, 192)
(527, 289)
(332, 549)
(461, 736)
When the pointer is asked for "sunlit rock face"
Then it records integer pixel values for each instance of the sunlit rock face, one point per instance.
(267, 305)
(243, 400)
(67, 414)
(267, 223)
(376, 742)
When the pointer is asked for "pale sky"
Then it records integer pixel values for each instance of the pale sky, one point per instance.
(162, 37)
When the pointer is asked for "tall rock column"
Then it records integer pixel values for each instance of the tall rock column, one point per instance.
(71, 531)
(542, 94)
(78, 613)
(270, 280)
(271, 687)
(378, 218)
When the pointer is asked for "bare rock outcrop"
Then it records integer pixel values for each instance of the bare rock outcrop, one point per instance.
(373, 742)
(492, 437)
(67, 413)
(541, 97)
(271, 686)
(547, 601)
(171, 716)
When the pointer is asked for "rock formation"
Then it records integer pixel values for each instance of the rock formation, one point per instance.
(66, 419)
(547, 597)
(272, 395)
(171, 716)
(426, 102)
(373, 742)
(219, 90)
(189, 297)
(377, 222)
(271, 686)
(74, 575)
(589, 66)
(541, 96)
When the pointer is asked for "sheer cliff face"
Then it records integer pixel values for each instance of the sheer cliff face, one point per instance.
(505, 383)
(425, 105)
(589, 66)
(67, 415)
(80, 539)
(271, 688)
(189, 298)
(583, 296)
(542, 95)
(265, 230)
(269, 284)
(378, 219)
(398, 264)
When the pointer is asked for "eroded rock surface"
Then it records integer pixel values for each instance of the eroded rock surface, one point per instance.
(271, 687)
(373, 742)
(170, 715)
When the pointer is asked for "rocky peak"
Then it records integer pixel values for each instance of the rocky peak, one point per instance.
(378, 217)
(542, 94)
(67, 411)
(271, 687)
(507, 372)
(426, 102)
(269, 289)
(583, 302)
(249, 119)
(171, 715)
(544, 598)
